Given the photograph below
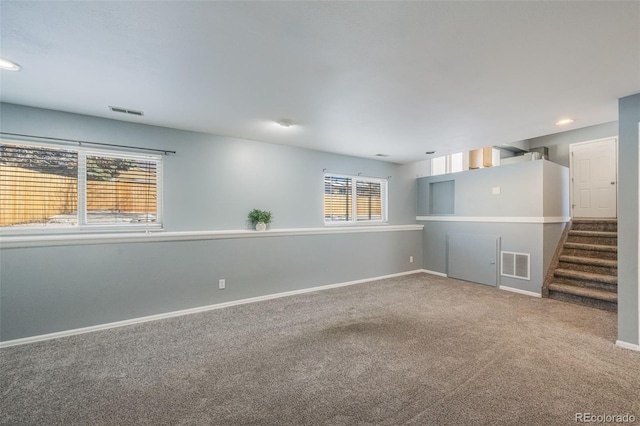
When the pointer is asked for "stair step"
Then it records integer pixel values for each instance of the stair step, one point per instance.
(595, 224)
(593, 237)
(584, 267)
(595, 261)
(592, 293)
(599, 234)
(586, 276)
(586, 253)
(591, 247)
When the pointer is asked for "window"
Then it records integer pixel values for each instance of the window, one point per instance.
(439, 166)
(459, 162)
(53, 187)
(449, 164)
(369, 202)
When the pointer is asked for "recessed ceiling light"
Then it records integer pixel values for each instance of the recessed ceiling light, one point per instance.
(430, 152)
(564, 121)
(285, 122)
(8, 65)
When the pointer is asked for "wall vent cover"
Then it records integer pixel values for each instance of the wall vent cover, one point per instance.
(515, 265)
(126, 111)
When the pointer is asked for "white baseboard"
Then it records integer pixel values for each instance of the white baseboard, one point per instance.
(628, 345)
(517, 290)
(75, 331)
(440, 274)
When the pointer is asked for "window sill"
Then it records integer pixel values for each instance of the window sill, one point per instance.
(356, 224)
(139, 237)
(65, 231)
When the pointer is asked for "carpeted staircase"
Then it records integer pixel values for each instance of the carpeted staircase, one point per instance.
(585, 268)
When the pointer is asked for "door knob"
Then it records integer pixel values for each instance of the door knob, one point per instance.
(613, 183)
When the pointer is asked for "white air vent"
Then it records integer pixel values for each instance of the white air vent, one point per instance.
(126, 111)
(515, 265)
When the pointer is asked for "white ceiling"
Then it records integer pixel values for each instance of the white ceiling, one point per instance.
(356, 78)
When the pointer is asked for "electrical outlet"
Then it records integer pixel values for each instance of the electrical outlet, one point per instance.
(222, 284)
(410, 259)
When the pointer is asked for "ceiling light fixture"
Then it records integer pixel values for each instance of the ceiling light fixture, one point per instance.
(430, 152)
(564, 121)
(285, 122)
(8, 65)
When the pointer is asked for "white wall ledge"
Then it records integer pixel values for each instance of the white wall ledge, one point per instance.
(495, 219)
(89, 239)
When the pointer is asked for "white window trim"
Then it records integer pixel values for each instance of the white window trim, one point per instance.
(82, 226)
(354, 221)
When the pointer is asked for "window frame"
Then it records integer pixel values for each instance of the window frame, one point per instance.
(353, 221)
(82, 226)
(449, 163)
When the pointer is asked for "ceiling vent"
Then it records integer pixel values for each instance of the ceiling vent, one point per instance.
(126, 111)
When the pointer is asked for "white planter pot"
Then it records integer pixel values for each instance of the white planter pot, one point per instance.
(261, 226)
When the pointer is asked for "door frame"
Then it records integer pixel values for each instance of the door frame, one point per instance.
(571, 168)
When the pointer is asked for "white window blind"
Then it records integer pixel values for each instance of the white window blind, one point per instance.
(121, 190)
(338, 200)
(369, 203)
(38, 186)
(43, 186)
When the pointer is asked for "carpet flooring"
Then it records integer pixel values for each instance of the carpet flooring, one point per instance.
(413, 350)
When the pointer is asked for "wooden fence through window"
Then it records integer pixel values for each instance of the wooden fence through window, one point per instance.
(28, 196)
(335, 205)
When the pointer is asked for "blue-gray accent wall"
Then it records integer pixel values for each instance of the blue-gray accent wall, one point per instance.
(211, 183)
(535, 190)
(558, 143)
(628, 214)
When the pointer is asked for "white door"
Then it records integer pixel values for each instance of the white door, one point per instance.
(594, 179)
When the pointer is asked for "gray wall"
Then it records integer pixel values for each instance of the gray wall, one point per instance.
(214, 181)
(520, 191)
(628, 214)
(517, 237)
(558, 143)
(210, 184)
(530, 189)
(50, 289)
(555, 190)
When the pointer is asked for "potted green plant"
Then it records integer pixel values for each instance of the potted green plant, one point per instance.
(259, 219)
